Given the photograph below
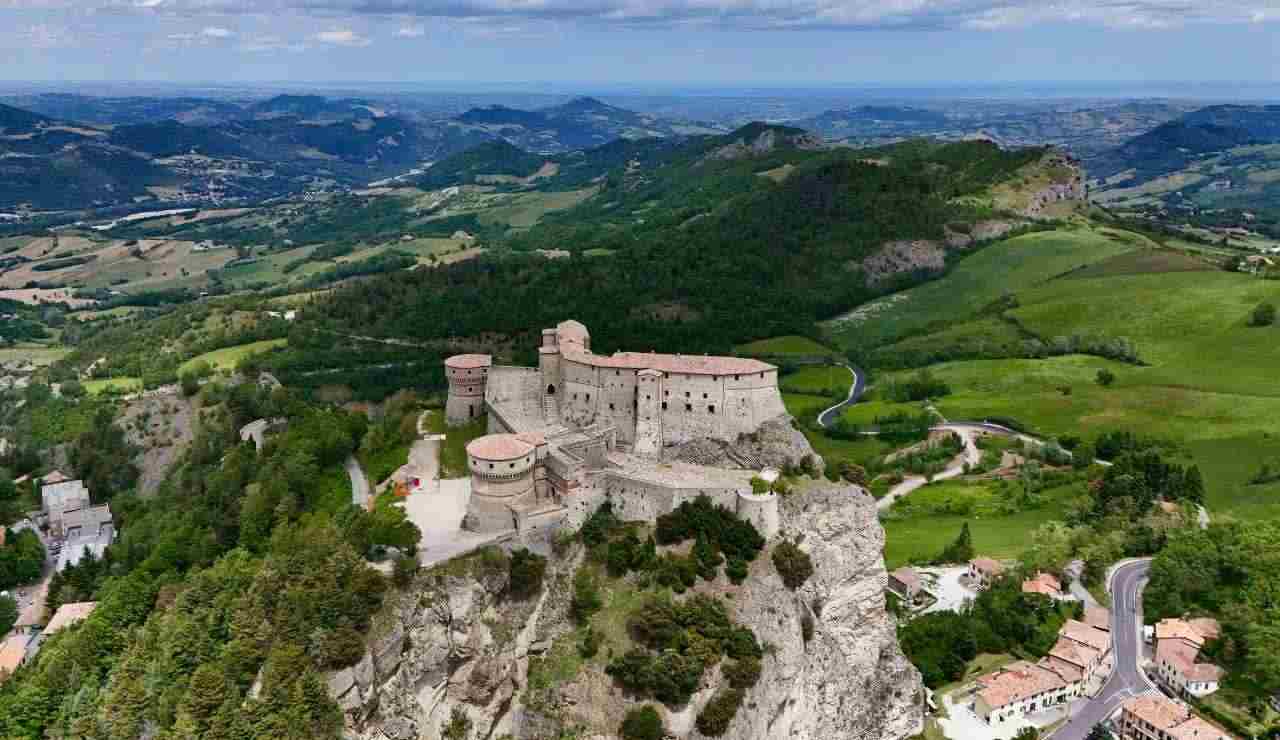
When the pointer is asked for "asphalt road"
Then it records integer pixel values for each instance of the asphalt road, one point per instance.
(1127, 679)
(828, 417)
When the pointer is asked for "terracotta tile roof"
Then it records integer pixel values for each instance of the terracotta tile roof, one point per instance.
(1158, 711)
(1017, 682)
(987, 565)
(1205, 672)
(1097, 617)
(1209, 629)
(534, 438)
(12, 652)
(1043, 583)
(1066, 671)
(1177, 629)
(1177, 653)
(907, 577)
(69, 614)
(1084, 634)
(468, 362)
(1199, 729)
(499, 447)
(681, 364)
(1074, 653)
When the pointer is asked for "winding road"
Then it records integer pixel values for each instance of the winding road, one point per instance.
(1127, 679)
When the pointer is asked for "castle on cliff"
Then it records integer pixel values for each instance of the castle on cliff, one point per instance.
(583, 428)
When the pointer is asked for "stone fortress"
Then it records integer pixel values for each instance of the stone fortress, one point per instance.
(583, 428)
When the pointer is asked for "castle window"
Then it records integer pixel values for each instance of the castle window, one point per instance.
(664, 405)
(711, 409)
(512, 465)
(686, 394)
(588, 396)
(735, 377)
(491, 466)
(688, 407)
(704, 396)
(611, 407)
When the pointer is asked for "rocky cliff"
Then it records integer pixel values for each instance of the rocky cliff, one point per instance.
(455, 645)
(777, 443)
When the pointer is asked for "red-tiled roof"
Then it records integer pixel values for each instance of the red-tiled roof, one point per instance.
(69, 614)
(499, 447)
(987, 565)
(1017, 682)
(468, 362)
(1097, 617)
(1157, 711)
(1043, 583)
(1086, 635)
(907, 577)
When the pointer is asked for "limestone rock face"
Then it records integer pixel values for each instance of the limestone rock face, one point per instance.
(776, 444)
(851, 681)
(455, 642)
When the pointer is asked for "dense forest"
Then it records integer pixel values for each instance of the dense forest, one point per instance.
(245, 567)
(698, 254)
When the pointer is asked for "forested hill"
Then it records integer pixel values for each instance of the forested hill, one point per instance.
(699, 251)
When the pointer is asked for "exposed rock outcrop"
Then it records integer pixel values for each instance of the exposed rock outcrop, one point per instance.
(776, 444)
(455, 642)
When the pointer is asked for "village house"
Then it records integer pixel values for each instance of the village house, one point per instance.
(1045, 584)
(1062, 675)
(1097, 617)
(59, 499)
(1157, 717)
(66, 616)
(1024, 688)
(983, 571)
(1178, 643)
(906, 584)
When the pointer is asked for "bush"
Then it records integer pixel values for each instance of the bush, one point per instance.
(717, 530)
(1105, 378)
(1263, 315)
(586, 596)
(806, 627)
(714, 719)
(8, 614)
(743, 674)
(458, 727)
(403, 570)
(526, 571)
(589, 645)
(643, 723)
(793, 564)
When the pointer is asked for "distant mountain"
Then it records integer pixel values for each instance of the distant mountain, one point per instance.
(1262, 122)
(872, 120)
(314, 108)
(15, 121)
(578, 124)
(1166, 149)
(170, 138)
(128, 110)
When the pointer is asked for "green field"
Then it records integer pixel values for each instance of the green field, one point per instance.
(525, 209)
(1010, 266)
(817, 381)
(783, 346)
(228, 357)
(38, 355)
(116, 385)
(1208, 382)
(920, 537)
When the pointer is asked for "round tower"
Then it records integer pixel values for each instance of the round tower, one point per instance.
(467, 375)
(502, 480)
(761, 509)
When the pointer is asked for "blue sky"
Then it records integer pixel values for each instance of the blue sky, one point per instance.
(812, 42)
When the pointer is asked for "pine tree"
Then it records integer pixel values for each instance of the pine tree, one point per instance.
(1193, 485)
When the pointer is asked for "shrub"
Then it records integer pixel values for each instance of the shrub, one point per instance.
(526, 571)
(586, 596)
(806, 627)
(458, 727)
(714, 719)
(589, 645)
(1105, 378)
(1263, 315)
(403, 570)
(744, 673)
(736, 570)
(643, 723)
(793, 564)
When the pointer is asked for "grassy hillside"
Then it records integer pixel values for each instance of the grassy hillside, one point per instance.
(1206, 383)
(1010, 266)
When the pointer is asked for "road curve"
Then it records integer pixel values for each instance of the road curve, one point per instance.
(1127, 679)
(828, 417)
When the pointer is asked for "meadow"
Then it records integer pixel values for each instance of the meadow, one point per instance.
(1009, 266)
(784, 346)
(228, 357)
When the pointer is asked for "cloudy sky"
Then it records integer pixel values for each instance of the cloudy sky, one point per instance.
(641, 41)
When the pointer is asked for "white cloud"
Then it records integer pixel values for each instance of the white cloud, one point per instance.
(217, 32)
(411, 32)
(746, 14)
(342, 37)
